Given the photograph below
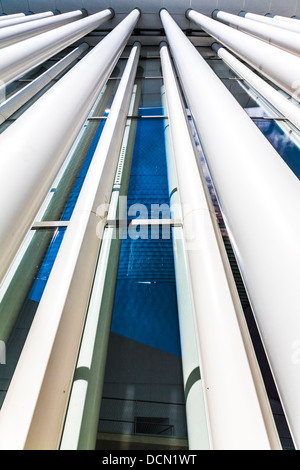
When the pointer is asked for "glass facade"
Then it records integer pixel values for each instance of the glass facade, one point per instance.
(135, 395)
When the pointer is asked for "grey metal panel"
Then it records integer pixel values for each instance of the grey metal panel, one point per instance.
(69, 5)
(1, 7)
(286, 8)
(38, 7)
(297, 7)
(261, 7)
(232, 6)
(204, 7)
(15, 6)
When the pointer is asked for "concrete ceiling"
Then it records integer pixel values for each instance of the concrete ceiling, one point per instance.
(150, 8)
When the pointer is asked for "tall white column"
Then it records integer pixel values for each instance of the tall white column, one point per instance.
(222, 350)
(263, 221)
(33, 412)
(37, 143)
(12, 16)
(16, 101)
(22, 57)
(286, 107)
(22, 31)
(276, 64)
(18, 18)
(289, 25)
(287, 40)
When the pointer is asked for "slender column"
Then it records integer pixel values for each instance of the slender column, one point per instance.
(14, 103)
(22, 31)
(294, 19)
(287, 40)
(221, 349)
(276, 99)
(274, 63)
(82, 420)
(19, 18)
(196, 413)
(268, 20)
(8, 17)
(49, 355)
(48, 128)
(264, 223)
(22, 57)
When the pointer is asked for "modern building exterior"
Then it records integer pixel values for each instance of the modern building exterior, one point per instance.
(149, 235)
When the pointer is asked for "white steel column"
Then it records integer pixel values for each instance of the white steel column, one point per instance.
(33, 411)
(12, 16)
(263, 220)
(235, 419)
(286, 107)
(20, 32)
(287, 40)
(16, 101)
(196, 413)
(9, 20)
(82, 417)
(34, 147)
(22, 57)
(276, 64)
(289, 25)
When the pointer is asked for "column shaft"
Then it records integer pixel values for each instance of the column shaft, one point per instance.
(263, 222)
(276, 64)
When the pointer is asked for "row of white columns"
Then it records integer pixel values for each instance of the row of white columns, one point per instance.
(263, 222)
(36, 145)
(247, 172)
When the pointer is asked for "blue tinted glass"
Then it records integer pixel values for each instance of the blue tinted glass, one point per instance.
(145, 306)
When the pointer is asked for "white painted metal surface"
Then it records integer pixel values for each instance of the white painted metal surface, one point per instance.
(19, 58)
(279, 66)
(20, 32)
(259, 197)
(235, 418)
(10, 21)
(196, 419)
(287, 40)
(82, 418)
(273, 21)
(8, 17)
(37, 143)
(15, 102)
(49, 355)
(287, 108)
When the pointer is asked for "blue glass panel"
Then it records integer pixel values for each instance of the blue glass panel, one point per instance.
(145, 306)
(282, 143)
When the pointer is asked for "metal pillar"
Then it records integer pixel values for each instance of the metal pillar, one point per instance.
(287, 40)
(48, 358)
(23, 31)
(289, 25)
(18, 18)
(22, 57)
(222, 349)
(263, 222)
(16, 101)
(279, 66)
(287, 108)
(196, 412)
(48, 128)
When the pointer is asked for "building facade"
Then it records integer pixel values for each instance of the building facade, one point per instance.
(149, 236)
